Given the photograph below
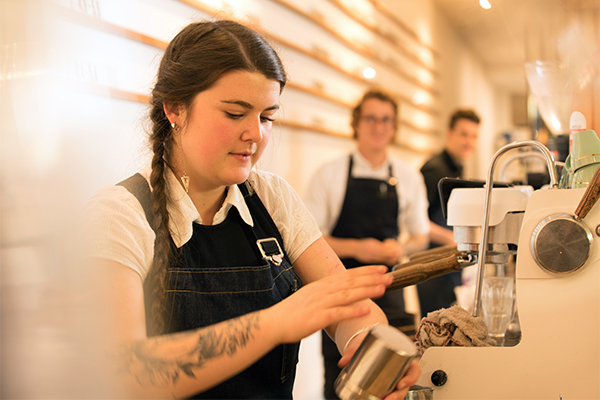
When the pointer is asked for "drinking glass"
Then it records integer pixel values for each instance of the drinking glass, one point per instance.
(497, 301)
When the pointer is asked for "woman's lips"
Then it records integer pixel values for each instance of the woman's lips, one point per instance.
(243, 157)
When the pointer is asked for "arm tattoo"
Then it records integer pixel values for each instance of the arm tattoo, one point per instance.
(159, 361)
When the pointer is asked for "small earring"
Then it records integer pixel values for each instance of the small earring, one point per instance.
(184, 179)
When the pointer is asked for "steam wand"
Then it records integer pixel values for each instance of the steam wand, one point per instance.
(488, 200)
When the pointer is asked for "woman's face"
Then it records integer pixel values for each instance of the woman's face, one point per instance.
(227, 129)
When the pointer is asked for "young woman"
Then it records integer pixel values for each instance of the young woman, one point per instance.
(214, 270)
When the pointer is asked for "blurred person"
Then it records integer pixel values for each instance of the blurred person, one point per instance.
(212, 270)
(461, 142)
(362, 200)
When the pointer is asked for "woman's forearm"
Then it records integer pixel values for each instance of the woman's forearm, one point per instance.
(343, 247)
(344, 331)
(183, 364)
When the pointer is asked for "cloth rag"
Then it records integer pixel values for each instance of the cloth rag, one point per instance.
(452, 326)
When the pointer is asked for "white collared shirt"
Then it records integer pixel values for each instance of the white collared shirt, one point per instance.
(327, 189)
(119, 231)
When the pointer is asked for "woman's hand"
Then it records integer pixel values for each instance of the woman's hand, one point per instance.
(351, 348)
(409, 379)
(374, 251)
(327, 301)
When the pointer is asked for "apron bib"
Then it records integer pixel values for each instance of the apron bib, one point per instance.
(222, 274)
(370, 209)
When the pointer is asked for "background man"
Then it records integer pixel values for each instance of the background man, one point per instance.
(461, 142)
(361, 202)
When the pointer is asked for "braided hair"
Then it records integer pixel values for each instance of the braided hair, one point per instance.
(194, 61)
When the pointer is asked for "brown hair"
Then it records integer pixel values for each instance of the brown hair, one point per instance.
(194, 61)
(372, 94)
(463, 114)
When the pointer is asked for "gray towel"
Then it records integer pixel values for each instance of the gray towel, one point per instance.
(452, 326)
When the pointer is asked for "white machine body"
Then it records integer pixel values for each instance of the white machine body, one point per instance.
(558, 356)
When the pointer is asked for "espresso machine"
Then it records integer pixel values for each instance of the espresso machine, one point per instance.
(554, 234)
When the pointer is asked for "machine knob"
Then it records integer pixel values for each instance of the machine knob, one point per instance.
(439, 378)
(561, 244)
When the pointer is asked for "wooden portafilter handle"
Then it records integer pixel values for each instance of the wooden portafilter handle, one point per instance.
(590, 196)
(418, 271)
(435, 253)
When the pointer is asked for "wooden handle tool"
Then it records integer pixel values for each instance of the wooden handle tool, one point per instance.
(435, 253)
(416, 271)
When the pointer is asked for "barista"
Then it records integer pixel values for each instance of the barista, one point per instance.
(361, 200)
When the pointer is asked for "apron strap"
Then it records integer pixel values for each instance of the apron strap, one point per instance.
(270, 247)
(138, 186)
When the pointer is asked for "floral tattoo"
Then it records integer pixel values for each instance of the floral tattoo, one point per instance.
(160, 361)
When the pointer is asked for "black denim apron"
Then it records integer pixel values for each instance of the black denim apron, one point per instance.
(222, 275)
(370, 209)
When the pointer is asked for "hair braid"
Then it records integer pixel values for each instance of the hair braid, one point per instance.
(161, 140)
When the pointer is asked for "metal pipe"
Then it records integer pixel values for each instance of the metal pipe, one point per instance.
(510, 159)
(487, 201)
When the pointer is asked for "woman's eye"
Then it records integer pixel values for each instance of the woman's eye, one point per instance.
(266, 119)
(234, 116)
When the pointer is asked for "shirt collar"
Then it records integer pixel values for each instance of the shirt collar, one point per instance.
(234, 198)
(183, 213)
(363, 163)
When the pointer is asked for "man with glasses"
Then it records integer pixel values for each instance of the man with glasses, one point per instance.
(362, 201)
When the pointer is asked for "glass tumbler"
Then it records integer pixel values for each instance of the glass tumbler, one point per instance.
(497, 302)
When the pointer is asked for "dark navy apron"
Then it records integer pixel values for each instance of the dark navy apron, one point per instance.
(370, 209)
(222, 274)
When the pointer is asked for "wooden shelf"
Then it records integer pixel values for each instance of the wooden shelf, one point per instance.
(350, 105)
(387, 36)
(390, 15)
(80, 18)
(313, 128)
(353, 76)
(318, 129)
(93, 22)
(314, 55)
(360, 49)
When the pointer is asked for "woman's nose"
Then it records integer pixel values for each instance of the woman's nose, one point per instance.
(253, 131)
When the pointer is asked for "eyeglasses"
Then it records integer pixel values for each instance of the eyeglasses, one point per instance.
(373, 120)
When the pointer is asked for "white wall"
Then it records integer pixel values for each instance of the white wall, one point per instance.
(61, 143)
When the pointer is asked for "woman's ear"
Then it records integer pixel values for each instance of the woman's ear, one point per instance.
(174, 113)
